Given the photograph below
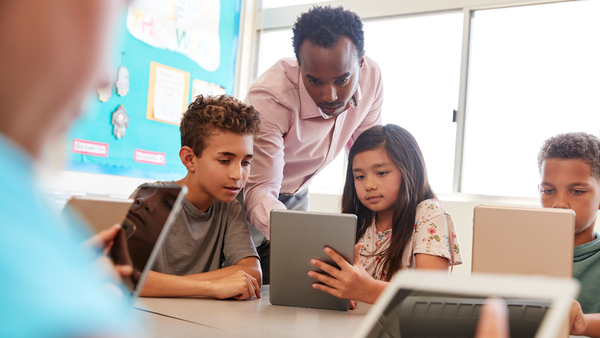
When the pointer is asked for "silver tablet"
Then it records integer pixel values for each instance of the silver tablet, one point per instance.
(151, 215)
(421, 303)
(296, 238)
(100, 212)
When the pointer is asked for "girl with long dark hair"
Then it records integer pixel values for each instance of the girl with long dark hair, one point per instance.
(401, 225)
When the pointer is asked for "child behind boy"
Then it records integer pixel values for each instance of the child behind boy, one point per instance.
(569, 166)
(208, 251)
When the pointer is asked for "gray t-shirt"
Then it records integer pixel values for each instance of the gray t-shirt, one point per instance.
(201, 242)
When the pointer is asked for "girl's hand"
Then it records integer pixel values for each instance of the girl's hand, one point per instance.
(350, 282)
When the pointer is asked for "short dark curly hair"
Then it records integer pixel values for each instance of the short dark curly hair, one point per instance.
(324, 26)
(223, 112)
(573, 146)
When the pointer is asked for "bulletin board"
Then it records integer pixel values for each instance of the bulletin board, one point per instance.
(166, 33)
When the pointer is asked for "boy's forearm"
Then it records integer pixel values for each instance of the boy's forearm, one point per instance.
(163, 285)
(593, 325)
(249, 265)
(200, 284)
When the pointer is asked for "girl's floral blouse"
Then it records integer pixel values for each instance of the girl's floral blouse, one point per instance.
(433, 234)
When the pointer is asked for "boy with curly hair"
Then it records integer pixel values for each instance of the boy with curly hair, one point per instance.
(208, 251)
(569, 166)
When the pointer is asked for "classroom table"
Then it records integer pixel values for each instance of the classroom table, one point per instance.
(202, 317)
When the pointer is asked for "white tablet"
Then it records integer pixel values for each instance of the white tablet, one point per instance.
(434, 304)
(523, 241)
(100, 212)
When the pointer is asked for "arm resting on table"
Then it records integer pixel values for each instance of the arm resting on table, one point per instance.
(239, 281)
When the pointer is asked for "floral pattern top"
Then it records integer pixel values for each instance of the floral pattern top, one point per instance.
(433, 234)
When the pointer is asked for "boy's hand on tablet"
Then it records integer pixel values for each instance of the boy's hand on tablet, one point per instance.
(578, 320)
(493, 320)
(239, 285)
(350, 282)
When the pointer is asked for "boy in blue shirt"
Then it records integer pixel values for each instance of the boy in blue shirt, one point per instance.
(569, 166)
(49, 63)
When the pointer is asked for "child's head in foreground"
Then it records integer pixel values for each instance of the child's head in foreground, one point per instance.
(569, 166)
(386, 175)
(217, 135)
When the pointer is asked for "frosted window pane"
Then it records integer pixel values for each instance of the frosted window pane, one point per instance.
(274, 45)
(420, 65)
(285, 3)
(534, 73)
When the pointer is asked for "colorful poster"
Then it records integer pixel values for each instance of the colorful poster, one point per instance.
(200, 87)
(188, 27)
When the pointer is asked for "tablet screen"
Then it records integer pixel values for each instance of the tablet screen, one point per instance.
(140, 234)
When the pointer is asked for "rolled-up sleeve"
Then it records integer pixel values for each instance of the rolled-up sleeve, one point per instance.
(266, 174)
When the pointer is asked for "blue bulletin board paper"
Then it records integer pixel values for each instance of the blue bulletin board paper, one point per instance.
(143, 134)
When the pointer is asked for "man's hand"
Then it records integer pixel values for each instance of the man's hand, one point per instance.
(350, 282)
(238, 285)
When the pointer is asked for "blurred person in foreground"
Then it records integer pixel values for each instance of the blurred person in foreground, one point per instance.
(52, 284)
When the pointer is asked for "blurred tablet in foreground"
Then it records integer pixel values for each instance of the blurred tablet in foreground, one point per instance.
(435, 304)
(152, 213)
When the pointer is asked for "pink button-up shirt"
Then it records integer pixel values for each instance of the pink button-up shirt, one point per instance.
(295, 141)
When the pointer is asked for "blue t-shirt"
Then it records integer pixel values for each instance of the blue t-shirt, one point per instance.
(49, 284)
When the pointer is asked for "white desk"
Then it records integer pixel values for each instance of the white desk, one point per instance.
(191, 317)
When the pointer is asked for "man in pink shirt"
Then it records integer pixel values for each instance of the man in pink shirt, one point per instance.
(311, 107)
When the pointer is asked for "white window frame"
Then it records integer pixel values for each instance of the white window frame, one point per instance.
(254, 20)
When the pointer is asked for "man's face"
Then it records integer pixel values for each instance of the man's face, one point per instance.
(224, 165)
(330, 75)
(569, 184)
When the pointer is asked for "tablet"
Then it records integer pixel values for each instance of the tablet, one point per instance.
(534, 241)
(151, 214)
(100, 212)
(421, 303)
(296, 238)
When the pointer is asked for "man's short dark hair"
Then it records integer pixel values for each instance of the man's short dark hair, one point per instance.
(324, 26)
(573, 146)
(207, 113)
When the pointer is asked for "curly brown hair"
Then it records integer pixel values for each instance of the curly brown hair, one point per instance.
(223, 112)
(573, 146)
